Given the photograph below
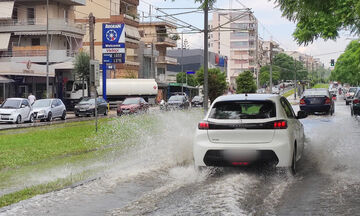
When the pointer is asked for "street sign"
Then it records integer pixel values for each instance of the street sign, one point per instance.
(113, 57)
(190, 72)
(113, 50)
(95, 73)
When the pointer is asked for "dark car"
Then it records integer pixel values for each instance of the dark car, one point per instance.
(317, 100)
(87, 107)
(350, 94)
(177, 102)
(197, 101)
(355, 106)
(133, 105)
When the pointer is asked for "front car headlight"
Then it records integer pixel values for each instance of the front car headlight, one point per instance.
(92, 106)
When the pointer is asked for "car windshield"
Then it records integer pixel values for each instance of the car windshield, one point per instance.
(11, 104)
(316, 93)
(176, 98)
(69, 85)
(197, 98)
(352, 90)
(129, 101)
(87, 101)
(243, 110)
(42, 103)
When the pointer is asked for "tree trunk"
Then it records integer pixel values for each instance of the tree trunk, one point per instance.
(83, 87)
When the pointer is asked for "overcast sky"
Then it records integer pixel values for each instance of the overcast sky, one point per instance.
(271, 25)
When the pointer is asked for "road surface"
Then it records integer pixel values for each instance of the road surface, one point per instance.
(158, 178)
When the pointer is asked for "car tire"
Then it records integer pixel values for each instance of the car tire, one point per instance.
(347, 102)
(63, 116)
(293, 169)
(106, 112)
(31, 119)
(49, 117)
(18, 119)
(77, 115)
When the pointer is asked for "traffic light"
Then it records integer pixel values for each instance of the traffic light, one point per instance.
(332, 63)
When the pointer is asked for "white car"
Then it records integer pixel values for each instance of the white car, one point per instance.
(241, 130)
(49, 109)
(16, 110)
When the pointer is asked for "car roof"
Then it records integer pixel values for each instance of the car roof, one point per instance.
(247, 97)
(16, 99)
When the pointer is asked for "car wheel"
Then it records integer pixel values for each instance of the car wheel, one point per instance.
(77, 115)
(49, 118)
(347, 102)
(18, 119)
(63, 116)
(31, 119)
(106, 112)
(293, 162)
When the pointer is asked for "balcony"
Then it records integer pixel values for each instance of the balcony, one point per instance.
(166, 41)
(36, 54)
(39, 25)
(133, 2)
(167, 60)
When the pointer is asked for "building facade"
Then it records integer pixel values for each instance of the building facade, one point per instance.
(158, 37)
(114, 11)
(235, 34)
(23, 47)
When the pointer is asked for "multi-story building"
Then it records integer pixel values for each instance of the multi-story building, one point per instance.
(114, 11)
(265, 49)
(236, 38)
(159, 36)
(23, 47)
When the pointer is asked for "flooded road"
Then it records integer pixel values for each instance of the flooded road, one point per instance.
(156, 177)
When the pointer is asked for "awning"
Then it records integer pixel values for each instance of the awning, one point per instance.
(6, 9)
(132, 32)
(63, 66)
(5, 80)
(4, 41)
(38, 33)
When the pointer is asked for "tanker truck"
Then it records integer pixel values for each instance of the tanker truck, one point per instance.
(116, 90)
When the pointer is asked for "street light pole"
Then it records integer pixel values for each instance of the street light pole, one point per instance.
(295, 81)
(182, 56)
(206, 48)
(47, 48)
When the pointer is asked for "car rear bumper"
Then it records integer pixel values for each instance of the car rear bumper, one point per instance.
(315, 108)
(279, 151)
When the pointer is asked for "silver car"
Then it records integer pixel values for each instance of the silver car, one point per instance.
(16, 110)
(48, 109)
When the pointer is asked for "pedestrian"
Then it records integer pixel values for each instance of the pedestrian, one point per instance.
(31, 98)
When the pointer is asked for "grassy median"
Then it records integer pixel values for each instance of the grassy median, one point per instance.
(40, 149)
(321, 85)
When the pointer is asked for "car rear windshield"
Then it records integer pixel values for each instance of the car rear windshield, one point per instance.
(352, 90)
(316, 93)
(243, 110)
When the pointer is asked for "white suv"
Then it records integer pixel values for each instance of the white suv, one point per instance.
(241, 130)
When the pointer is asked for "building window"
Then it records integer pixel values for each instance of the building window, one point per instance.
(15, 15)
(35, 41)
(31, 16)
(66, 15)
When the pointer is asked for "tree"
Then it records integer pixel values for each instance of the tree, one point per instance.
(286, 65)
(347, 68)
(321, 18)
(245, 83)
(181, 78)
(265, 75)
(217, 82)
(82, 68)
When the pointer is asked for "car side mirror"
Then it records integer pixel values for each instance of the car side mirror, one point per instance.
(52, 106)
(22, 106)
(301, 114)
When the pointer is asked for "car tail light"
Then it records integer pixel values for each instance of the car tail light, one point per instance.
(327, 101)
(356, 101)
(280, 124)
(302, 102)
(240, 163)
(203, 125)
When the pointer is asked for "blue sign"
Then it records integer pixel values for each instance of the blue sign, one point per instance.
(190, 72)
(113, 35)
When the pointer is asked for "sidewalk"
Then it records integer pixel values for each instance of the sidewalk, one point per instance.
(292, 100)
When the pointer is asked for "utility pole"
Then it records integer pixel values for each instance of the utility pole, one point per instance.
(295, 80)
(182, 56)
(92, 87)
(271, 81)
(152, 68)
(206, 47)
(257, 59)
(47, 49)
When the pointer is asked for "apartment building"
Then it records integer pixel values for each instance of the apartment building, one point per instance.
(23, 45)
(236, 38)
(266, 49)
(114, 11)
(159, 36)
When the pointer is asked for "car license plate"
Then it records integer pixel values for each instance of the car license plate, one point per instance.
(82, 110)
(126, 111)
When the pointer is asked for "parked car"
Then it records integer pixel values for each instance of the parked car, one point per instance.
(317, 100)
(275, 90)
(350, 94)
(87, 107)
(132, 105)
(197, 101)
(49, 109)
(177, 102)
(241, 130)
(16, 110)
(355, 105)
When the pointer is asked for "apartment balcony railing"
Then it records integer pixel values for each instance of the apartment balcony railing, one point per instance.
(39, 24)
(37, 54)
(166, 40)
(166, 60)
